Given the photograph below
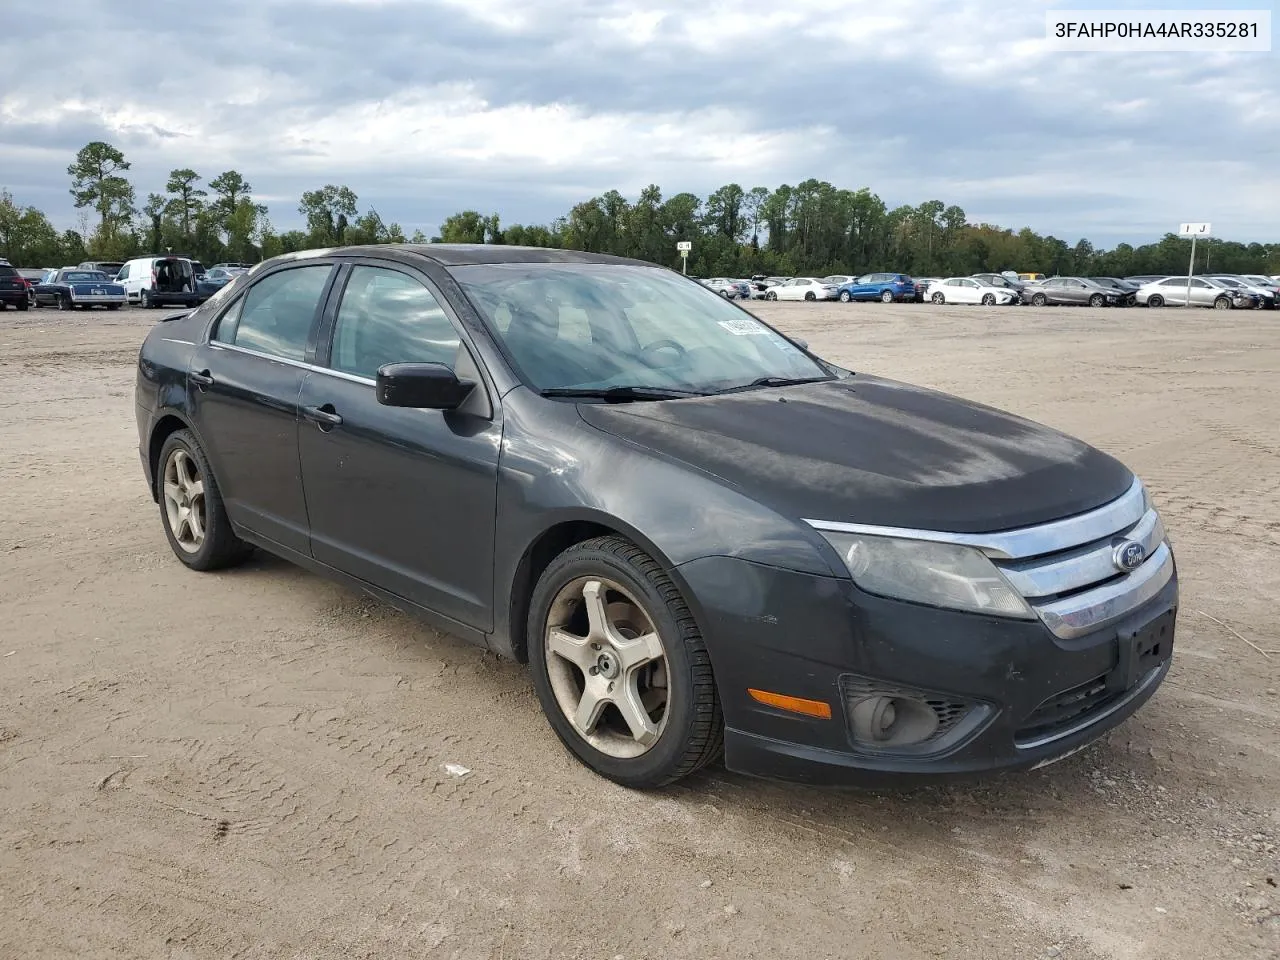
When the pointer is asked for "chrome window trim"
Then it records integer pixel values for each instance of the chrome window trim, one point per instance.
(288, 361)
(1119, 514)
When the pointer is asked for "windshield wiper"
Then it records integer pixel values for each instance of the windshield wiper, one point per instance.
(622, 394)
(774, 382)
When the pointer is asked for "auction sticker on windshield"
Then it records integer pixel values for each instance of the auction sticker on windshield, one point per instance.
(744, 328)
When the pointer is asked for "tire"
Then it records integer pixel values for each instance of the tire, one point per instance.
(1097, 300)
(64, 303)
(1222, 303)
(811, 296)
(988, 299)
(689, 732)
(726, 294)
(939, 297)
(113, 306)
(24, 304)
(144, 299)
(886, 296)
(217, 546)
(1039, 300)
(844, 296)
(770, 295)
(1155, 300)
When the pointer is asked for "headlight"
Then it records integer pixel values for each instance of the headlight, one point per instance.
(922, 571)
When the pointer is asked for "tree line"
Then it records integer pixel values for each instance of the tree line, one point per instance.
(810, 228)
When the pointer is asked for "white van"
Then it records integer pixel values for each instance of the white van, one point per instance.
(156, 281)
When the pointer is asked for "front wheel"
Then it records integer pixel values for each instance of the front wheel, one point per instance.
(988, 299)
(1096, 300)
(620, 668)
(1156, 301)
(1039, 300)
(1222, 303)
(191, 509)
(886, 296)
(939, 297)
(844, 296)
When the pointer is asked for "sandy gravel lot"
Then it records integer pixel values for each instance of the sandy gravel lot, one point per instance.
(249, 764)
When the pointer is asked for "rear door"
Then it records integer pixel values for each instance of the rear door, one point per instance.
(243, 398)
(401, 498)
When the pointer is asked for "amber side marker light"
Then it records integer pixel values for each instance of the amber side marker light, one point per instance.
(809, 708)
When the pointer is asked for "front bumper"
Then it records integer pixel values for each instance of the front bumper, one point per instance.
(1014, 695)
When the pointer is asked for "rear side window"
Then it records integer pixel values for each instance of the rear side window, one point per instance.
(389, 317)
(275, 314)
(6, 271)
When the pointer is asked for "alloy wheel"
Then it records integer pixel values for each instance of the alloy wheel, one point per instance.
(607, 667)
(184, 500)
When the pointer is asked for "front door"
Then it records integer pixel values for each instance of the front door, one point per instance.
(400, 498)
(243, 388)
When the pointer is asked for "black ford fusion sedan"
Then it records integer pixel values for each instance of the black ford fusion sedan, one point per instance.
(703, 538)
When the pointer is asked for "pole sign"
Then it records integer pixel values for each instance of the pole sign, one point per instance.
(1194, 231)
(684, 246)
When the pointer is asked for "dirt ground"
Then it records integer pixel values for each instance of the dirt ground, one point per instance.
(250, 764)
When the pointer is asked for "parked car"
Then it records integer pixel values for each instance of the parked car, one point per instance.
(1003, 280)
(434, 430)
(109, 267)
(218, 277)
(838, 279)
(802, 288)
(1263, 281)
(1077, 291)
(969, 290)
(1265, 295)
(13, 288)
(1172, 291)
(1128, 290)
(73, 288)
(1032, 276)
(729, 289)
(885, 287)
(922, 286)
(156, 281)
(233, 267)
(1143, 279)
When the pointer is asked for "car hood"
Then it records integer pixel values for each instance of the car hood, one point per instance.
(868, 450)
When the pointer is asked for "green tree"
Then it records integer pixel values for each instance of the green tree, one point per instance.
(328, 212)
(97, 183)
(468, 226)
(186, 200)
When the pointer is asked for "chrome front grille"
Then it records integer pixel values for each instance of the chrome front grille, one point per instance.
(1067, 570)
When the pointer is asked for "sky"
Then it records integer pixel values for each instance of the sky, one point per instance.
(428, 107)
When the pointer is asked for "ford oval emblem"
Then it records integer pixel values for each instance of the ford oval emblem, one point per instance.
(1129, 556)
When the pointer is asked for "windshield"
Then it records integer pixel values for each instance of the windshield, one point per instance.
(592, 326)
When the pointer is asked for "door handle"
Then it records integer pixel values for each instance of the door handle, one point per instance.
(325, 417)
(202, 379)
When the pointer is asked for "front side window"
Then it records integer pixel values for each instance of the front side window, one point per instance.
(275, 314)
(595, 326)
(389, 317)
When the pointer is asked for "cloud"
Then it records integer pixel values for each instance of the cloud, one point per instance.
(425, 107)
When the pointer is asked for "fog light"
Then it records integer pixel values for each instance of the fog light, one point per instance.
(893, 721)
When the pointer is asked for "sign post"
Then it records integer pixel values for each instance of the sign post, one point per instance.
(684, 246)
(1193, 230)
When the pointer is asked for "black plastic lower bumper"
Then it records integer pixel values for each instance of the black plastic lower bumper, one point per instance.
(1011, 694)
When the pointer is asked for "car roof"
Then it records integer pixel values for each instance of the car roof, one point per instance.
(464, 254)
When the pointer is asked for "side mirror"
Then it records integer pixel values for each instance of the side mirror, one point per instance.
(802, 344)
(423, 386)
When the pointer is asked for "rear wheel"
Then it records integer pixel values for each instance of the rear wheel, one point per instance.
(1039, 300)
(1155, 300)
(191, 509)
(144, 299)
(988, 299)
(886, 296)
(64, 302)
(844, 296)
(811, 295)
(770, 295)
(938, 297)
(620, 667)
(23, 305)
